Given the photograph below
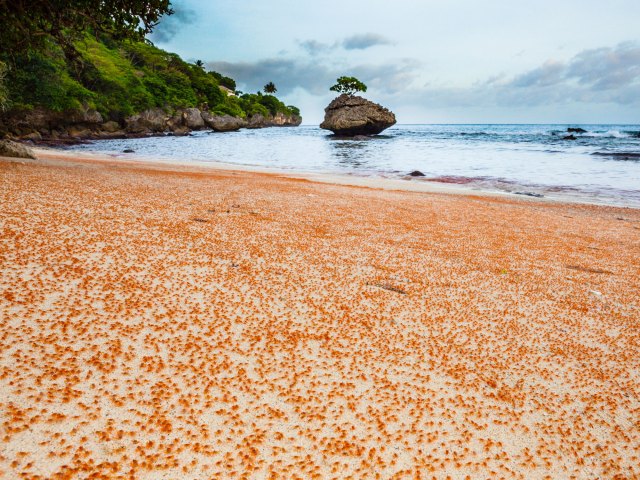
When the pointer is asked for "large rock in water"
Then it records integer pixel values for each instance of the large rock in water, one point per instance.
(351, 115)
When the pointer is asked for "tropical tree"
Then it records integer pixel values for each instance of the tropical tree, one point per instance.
(348, 85)
(199, 63)
(26, 24)
(270, 88)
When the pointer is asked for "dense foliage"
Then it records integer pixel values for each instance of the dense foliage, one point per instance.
(122, 77)
(270, 88)
(27, 24)
(253, 103)
(348, 85)
(3, 90)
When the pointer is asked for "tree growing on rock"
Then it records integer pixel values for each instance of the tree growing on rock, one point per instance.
(270, 88)
(348, 85)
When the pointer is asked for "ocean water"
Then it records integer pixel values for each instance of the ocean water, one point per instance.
(600, 166)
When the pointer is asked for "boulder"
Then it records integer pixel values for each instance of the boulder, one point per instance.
(33, 136)
(417, 173)
(278, 120)
(570, 137)
(36, 119)
(530, 194)
(16, 150)
(352, 115)
(282, 120)
(79, 132)
(175, 122)
(103, 135)
(153, 120)
(24, 123)
(192, 118)
(576, 130)
(257, 121)
(180, 131)
(84, 116)
(223, 123)
(110, 127)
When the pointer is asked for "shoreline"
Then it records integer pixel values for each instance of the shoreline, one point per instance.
(407, 183)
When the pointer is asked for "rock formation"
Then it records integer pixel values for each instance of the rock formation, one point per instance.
(153, 120)
(223, 123)
(16, 150)
(192, 118)
(278, 120)
(48, 127)
(352, 115)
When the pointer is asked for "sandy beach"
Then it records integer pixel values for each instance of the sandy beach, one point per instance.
(165, 322)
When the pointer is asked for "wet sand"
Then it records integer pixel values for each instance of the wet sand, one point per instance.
(179, 322)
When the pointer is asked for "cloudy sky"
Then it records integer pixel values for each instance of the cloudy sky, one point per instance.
(430, 61)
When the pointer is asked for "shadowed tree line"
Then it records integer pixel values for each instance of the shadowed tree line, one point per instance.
(27, 24)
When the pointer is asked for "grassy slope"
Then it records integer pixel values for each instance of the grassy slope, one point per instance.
(122, 78)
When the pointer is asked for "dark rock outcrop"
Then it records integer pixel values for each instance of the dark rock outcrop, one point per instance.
(84, 117)
(576, 130)
(79, 132)
(278, 120)
(570, 137)
(282, 120)
(62, 128)
(22, 124)
(256, 121)
(110, 127)
(153, 120)
(192, 118)
(352, 115)
(14, 149)
(417, 173)
(530, 194)
(223, 123)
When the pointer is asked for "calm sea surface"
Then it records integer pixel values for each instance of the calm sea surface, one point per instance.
(600, 166)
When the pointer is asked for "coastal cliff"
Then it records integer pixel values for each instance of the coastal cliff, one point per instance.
(111, 88)
(45, 126)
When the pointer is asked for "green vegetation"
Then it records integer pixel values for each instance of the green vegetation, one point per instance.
(253, 103)
(348, 85)
(63, 55)
(29, 24)
(270, 88)
(119, 78)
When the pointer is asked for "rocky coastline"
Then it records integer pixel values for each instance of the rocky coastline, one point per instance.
(45, 127)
